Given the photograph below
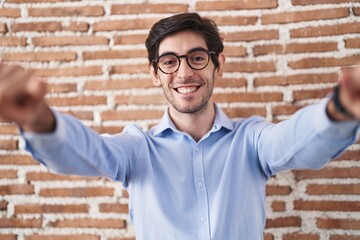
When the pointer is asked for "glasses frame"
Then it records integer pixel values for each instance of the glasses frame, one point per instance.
(186, 56)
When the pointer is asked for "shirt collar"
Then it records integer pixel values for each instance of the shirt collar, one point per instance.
(221, 120)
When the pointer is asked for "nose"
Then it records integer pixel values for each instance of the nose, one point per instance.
(184, 70)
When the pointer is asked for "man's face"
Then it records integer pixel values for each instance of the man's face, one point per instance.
(187, 90)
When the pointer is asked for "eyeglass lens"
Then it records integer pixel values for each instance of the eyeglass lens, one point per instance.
(197, 60)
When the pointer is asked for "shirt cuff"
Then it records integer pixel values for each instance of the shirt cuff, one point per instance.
(46, 140)
(332, 129)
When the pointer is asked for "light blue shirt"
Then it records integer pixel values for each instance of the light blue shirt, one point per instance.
(181, 189)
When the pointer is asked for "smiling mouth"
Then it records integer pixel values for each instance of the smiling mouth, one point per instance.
(187, 90)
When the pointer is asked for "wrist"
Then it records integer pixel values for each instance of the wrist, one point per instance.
(42, 122)
(335, 108)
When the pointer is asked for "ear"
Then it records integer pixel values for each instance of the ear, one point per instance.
(154, 77)
(220, 69)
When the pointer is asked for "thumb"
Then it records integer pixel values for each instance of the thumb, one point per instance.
(37, 87)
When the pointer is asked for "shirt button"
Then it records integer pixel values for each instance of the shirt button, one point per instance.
(197, 149)
(203, 219)
(200, 185)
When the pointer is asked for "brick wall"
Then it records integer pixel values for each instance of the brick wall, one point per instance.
(281, 56)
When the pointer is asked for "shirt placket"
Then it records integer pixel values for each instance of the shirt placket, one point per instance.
(201, 193)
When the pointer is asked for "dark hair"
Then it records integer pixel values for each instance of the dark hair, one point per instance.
(183, 22)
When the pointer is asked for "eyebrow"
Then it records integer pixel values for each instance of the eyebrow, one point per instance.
(196, 48)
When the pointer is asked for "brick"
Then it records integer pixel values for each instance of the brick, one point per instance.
(130, 69)
(114, 54)
(352, 43)
(278, 206)
(10, 129)
(39, 56)
(130, 39)
(234, 20)
(248, 97)
(89, 223)
(114, 208)
(144, 99)
(245, 112)
(333, 189)
(77, 192)
(37, 27)
(16, 189)
(88, 11)
(8, 144)
(286, 109)
(352, 155)
(294, 48)
(12, 41)
(283, 222)
(312, 78)
(323, 62)
(78, 101)
(268, 236)
(131, 115)
(234, 51)
(17, 160)
(62, 88)
(3, 206)
(3, 28)
(8, 237)
(250, 67)
(69, 41)
(118, 84)
(77, 27)
(144, 23)
(62, 237)
(47, 208)
(301, 16)
(39, 1)
(296, 79)
(310, 94)
(108, 129)
(231, 82)
(300, 236)
(338, 224)
(342, 237)
(20, 223)
(277, 190)
(311, 2)
(148, 8)
(248, 36)
(71, 71)
(357, 11)
(326, 30)
(82, 115)
(328, 172)
(8, 174)
(47, 176)
(234, 5)
(10, 12)
(347, 206)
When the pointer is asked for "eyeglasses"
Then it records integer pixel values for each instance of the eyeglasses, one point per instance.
(197, 59)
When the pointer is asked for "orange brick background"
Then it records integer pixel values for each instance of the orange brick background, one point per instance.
(281, 55)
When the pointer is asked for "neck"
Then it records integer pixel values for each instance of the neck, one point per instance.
(195, 124)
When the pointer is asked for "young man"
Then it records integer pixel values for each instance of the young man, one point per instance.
(196, 175)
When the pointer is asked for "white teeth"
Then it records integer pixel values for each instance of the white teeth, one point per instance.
(186, 89)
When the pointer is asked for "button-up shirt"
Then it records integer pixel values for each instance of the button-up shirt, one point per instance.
(181, 189)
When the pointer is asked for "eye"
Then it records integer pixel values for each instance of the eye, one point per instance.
(199, 57)
(168, 61)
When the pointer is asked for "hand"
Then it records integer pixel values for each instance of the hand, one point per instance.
(22, 99)
(349, 95)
